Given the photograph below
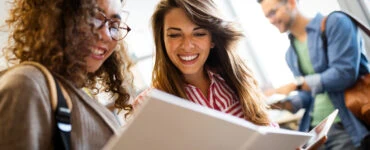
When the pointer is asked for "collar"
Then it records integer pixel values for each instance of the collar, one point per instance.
(313, 25)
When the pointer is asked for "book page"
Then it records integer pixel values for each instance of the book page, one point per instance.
(272, 138)
(167, 122)
(321, 129)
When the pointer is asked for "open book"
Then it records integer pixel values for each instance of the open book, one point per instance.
(167, 122)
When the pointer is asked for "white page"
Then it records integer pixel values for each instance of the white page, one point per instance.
(167, 122)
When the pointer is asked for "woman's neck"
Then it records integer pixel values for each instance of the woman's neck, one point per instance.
(200, 80)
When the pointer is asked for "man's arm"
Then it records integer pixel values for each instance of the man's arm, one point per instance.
(343, 53)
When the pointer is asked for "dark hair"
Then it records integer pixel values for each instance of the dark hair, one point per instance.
(222, 58)
(52, 33)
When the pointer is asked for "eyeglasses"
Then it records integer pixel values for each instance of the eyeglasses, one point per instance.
(273, 11)
(118, 29)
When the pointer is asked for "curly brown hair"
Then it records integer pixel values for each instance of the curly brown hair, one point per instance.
(52, 33)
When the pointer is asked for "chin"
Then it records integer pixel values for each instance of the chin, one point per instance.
(283, 30)
(93, 65)
(92, 69)
(188, 72)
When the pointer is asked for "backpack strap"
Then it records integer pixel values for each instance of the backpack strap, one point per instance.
(323, 35)
(358, 23)
(60, 101)
(62, 118)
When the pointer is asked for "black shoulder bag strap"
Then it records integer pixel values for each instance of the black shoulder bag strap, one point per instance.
(63, 123)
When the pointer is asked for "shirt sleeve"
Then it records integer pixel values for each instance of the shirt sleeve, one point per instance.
(302, 99)
(343, 53)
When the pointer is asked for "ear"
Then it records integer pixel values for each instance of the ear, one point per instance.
(212, 45)
(292, 4)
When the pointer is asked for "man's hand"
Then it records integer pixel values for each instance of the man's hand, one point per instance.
(269, 92)
(286, 89)
(287, 105)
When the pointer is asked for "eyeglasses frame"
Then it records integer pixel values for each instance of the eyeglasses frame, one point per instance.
(110, 21)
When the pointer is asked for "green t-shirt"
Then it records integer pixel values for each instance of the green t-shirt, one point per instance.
(322, 105)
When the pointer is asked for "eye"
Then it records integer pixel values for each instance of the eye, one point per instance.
(113, 30)
(174, 35)
(200, 34)
(97, 22)
(114, 25)
(271, 13)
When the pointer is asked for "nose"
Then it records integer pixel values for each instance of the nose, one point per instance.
(187, 44)
(104, 33)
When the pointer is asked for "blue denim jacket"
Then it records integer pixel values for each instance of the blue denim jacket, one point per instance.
(337, 68)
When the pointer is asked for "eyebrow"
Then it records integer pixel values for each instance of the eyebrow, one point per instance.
(178, 29)
(115, 16)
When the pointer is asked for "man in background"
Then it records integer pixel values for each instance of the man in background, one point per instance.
(323, 71)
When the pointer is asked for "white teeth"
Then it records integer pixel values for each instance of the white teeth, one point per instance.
(97, 51)
(188, 58)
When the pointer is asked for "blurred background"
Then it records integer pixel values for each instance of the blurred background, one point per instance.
(263, 47)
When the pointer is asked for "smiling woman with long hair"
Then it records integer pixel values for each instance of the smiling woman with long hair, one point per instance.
(196, 59)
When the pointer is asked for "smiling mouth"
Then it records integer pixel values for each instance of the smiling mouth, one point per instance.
(188, 57)
(98, 51)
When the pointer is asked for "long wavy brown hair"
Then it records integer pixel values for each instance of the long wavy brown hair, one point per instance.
(222, 58)
(53, 33)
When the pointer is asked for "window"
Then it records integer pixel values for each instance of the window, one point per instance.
(367, 5)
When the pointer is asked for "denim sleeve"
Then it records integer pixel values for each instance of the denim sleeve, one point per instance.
(343, 53)
(302, 99)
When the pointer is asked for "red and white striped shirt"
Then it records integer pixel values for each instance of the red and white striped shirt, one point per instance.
(220, 96)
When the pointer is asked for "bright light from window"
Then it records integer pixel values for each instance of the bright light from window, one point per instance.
(367, 4)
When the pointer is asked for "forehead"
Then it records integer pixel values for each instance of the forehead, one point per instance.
(176, 17)
(110, 7)
(268, 5)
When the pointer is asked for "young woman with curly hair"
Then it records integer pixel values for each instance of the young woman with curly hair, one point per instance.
(80, 43)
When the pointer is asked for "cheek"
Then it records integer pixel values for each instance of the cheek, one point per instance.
(113, 45)
(205, 44)
(170, 50)
(170, 45)
(283, 15)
